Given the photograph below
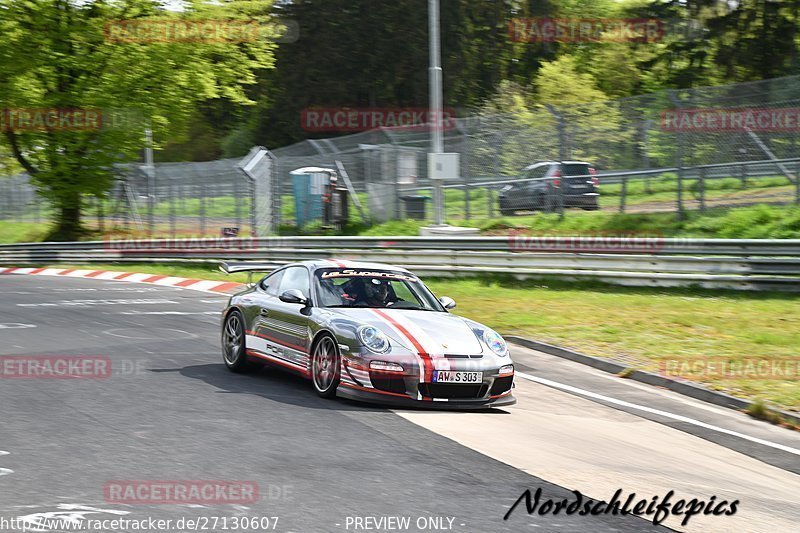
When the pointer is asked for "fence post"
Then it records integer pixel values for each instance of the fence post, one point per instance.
(678, 156)
(202, 197)
(562, 151)
(701, 185)
(743, 175)
(490, 201)
(623, 195)
(238, 199)
(172, 214)
(797, 182)
(101, 223)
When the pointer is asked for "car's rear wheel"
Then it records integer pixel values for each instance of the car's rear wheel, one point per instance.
(234, 351)
(325, 367)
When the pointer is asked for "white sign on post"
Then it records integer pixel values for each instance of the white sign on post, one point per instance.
(444, 166)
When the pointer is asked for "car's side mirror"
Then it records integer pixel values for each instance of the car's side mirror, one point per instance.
(293, 296)
(447, 302)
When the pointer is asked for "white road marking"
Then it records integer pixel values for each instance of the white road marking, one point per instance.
(16, 325)
(72, 514)
(5, 471)
(4, 453)
(167, 313)
(589, 394)
(82, 303)
(144, 334)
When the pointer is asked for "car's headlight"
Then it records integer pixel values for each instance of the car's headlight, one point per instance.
(495, 342)
(374, 339)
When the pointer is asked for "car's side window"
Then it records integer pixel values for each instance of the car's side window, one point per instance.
(271, 283)
(295, 278)
(537, 172)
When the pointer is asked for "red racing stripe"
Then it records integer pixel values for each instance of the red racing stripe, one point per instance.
(427, 363)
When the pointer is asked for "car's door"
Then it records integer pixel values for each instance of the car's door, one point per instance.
(256, 306)
(287, 324)
(531, 199)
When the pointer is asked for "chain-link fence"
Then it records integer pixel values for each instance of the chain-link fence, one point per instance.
(673, 151)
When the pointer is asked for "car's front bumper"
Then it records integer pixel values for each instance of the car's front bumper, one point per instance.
(410, 387)
(363, 394)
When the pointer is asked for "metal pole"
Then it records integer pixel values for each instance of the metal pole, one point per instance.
(151, 179)
(797, 182)
(202, 198)
(238, 199)
(623, 194)
(435, 80)
(701, 183)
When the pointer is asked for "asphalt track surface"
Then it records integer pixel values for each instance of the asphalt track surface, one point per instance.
(170, 410)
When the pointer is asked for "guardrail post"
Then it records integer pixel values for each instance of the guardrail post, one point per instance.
(743, 175)
(623, 194)
(490, 201)
(701, 185)
(681, 214)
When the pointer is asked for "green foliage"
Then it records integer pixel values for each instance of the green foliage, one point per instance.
(56, 54)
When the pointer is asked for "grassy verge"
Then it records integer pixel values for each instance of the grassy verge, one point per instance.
(12, 232)
(755, 222)
(650, 326)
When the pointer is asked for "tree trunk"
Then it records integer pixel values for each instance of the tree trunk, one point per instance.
(68, 224)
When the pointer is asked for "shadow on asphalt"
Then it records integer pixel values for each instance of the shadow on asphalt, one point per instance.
(284, 387)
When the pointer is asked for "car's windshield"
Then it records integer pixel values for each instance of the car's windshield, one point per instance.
(357, 287)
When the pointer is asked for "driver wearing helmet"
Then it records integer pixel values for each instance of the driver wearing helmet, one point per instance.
(376, 293)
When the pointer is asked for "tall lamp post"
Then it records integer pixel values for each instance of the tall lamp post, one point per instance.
(435, 81)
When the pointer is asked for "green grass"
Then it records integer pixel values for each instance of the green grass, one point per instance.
(756, 222)
(14, 232)
(651, 325)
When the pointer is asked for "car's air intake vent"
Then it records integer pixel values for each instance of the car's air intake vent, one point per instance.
(453, 391)
(501, 385)
(388, 383)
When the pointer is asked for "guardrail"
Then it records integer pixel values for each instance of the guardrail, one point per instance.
(758, 264)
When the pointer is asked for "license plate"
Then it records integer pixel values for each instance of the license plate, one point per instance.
(448, 376)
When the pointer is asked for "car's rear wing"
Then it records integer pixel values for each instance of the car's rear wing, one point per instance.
(250, 267)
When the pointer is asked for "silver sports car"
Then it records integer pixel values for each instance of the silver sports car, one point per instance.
(366, 331)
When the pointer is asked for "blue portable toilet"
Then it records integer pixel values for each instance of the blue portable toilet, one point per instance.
(308, 185)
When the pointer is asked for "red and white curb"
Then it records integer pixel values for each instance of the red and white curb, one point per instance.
(219, 287)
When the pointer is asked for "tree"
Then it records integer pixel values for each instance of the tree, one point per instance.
(62, 66)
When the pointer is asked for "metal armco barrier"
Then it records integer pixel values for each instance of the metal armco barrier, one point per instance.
(759, 264)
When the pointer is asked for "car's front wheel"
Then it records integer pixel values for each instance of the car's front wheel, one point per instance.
(234, 352)
(325, 367)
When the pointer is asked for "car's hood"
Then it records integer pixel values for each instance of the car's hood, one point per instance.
(439, 334)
